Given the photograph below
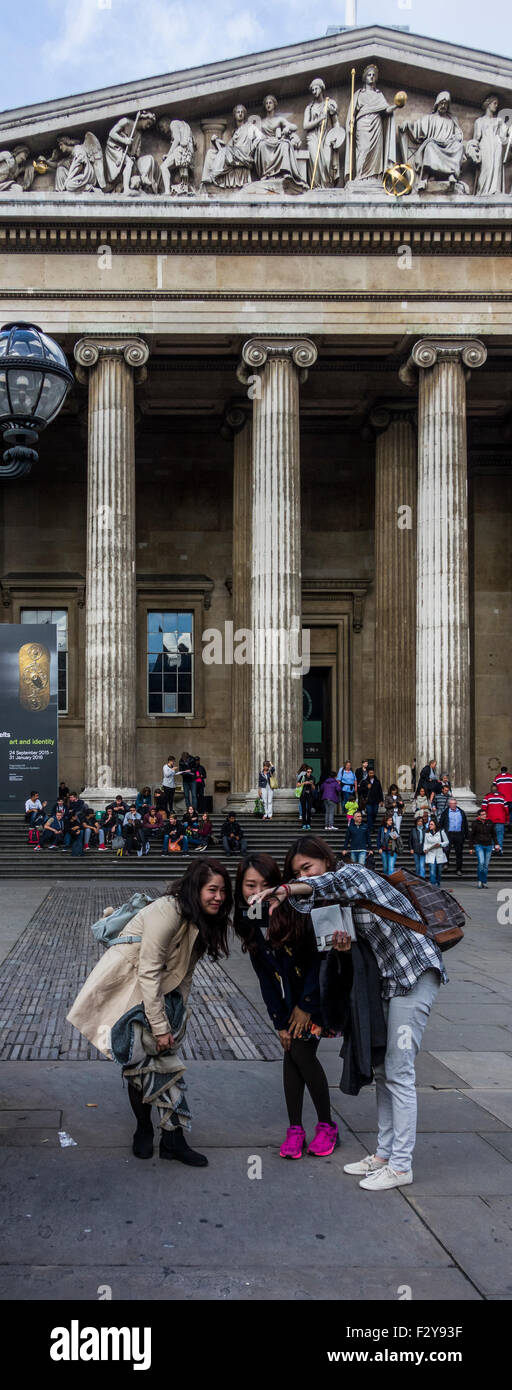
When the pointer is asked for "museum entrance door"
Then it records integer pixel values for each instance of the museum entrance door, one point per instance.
(317, 701)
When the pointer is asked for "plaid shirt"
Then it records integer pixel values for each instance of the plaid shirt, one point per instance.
(402, 954)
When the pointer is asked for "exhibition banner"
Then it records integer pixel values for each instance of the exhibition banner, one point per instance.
(28, 713)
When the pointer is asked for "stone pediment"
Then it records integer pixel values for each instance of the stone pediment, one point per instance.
(215, 131)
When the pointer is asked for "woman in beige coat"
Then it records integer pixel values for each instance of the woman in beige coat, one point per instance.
(132, 1006)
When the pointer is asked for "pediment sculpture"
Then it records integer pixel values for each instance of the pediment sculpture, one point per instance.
(269, 149)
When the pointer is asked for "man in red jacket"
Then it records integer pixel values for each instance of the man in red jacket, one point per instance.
(497, 811)
(504, 786)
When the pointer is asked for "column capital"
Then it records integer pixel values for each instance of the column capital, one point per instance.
(89, 351)
(427, 352)
(256, 352)
(382, 416)
(235, 417)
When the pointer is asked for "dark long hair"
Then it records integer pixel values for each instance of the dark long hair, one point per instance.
(269, 869)
(286, 924)
(213, 930)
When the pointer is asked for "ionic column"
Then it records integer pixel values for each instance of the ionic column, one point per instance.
(274, 369)
(442, 626)
(110, 651)
(241, 427)
(395, 595)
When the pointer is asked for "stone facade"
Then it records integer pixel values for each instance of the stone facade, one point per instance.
(309, 361)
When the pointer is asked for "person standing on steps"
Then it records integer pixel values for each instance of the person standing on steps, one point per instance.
(306, 797)
(374, 798)
(133, 1009)
(417, 844)
(284, 955)
(482, 841)
(169, 783)
(266, 779)
(453, 820)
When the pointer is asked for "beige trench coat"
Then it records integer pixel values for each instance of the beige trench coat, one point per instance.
(141, 972)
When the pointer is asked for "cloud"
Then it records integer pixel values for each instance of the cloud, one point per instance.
(126, 39)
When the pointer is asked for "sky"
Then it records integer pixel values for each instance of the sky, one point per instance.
(79, 45)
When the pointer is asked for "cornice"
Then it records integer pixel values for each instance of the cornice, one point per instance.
(334, 237)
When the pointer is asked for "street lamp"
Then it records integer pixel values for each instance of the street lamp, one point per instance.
(34, 380)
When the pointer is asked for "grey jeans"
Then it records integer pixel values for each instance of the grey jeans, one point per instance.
(330, 807)
(406, 1017)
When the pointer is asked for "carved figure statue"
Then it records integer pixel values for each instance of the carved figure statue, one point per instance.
(235, 163)
(86, 170)
(489, 149)
(180, 156)
(374, 130)
(124, 160)
(60, 159)
(275, 154)
(12, 165)
(439, 144)
(324, 136)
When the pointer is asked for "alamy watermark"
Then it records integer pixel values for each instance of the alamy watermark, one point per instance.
(265, 646)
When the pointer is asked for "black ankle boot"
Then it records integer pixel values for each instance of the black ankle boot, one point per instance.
(143, 1137)
(174, 1145)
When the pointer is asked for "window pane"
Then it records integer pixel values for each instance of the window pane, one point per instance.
(154, 684)
(28, 615)
(154, 641)
(155, 662)
(155, 704)
(185, 704)
(154, 622)
(170, 682)
(169, 621)
(170, 641)
(169, 704)
(185, 624)
(184, 682)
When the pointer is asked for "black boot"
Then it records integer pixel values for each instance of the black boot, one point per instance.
(143, 1137)
(174, 1145)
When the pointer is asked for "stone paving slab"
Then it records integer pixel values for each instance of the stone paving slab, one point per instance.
(446, 1037)
(52, 958)
(502, 1142)
(480, 1069)
(478, 1234)
(163, 1212)
(497, 1103)
(164, 1283)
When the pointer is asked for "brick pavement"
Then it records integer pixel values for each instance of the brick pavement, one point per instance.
(52, 958)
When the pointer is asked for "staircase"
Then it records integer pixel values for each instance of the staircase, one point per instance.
(18, 859)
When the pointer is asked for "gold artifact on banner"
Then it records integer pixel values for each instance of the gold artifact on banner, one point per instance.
(34, 664)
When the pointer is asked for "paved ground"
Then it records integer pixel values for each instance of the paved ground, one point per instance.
(250, 1226)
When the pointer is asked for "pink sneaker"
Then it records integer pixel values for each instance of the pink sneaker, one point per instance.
(326, 1139)
(294, 1142)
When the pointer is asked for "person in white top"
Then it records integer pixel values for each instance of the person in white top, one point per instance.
(32, 804)
(433, 848)
(169, 782)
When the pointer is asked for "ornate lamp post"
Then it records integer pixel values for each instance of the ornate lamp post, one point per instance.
(34, 381)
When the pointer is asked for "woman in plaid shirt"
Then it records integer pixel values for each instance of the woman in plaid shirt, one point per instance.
(411, 970)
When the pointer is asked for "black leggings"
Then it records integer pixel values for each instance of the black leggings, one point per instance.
(301, 1068)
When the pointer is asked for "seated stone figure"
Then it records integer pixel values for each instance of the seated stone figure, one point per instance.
(275, 155)
(234, 162)
(434, 145)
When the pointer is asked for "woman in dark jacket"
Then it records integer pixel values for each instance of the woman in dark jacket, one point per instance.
(388, 843)
(483, 839)
(287, 962)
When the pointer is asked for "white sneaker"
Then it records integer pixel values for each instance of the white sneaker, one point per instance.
(386, 1177)
(370, 1164)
